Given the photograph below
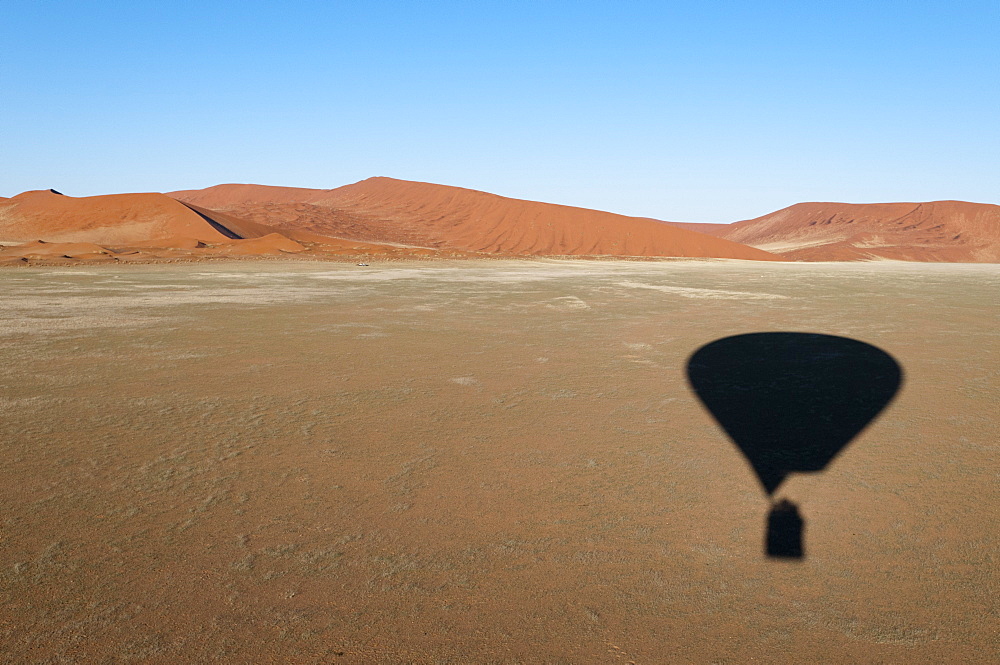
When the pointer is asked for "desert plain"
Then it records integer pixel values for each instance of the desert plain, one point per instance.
(481, 462)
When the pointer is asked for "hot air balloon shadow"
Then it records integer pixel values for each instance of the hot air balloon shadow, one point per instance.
(791, 402)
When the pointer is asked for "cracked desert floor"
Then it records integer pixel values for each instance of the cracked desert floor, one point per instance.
(480, 462)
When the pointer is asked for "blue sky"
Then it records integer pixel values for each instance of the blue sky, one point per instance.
(712, 111)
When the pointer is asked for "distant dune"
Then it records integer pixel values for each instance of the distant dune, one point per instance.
(946, 231)
(399, 218)
(700, 227)
(115, 219)
(46, 225)
(125, 219)
(443, 217)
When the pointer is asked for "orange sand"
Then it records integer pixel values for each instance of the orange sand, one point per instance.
(150, 227)
(438, 216)
(269, 244)
(945, 231)
(53, 249)
(117, 219)
(399, 219)
(701, 227)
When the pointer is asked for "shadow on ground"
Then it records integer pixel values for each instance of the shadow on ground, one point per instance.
(791, 402)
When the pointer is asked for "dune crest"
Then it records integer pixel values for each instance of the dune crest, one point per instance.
(439, 216)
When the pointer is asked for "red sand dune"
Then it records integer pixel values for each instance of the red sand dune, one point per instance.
(108, 220)
(439, 216)
(383, 216)
(115, 226)
(124, 219)
(710, 228)
(946, 231)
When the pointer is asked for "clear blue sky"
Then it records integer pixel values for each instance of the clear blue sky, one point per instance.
(688, 111)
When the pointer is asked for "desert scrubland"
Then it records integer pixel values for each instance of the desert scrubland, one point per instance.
(490, 462)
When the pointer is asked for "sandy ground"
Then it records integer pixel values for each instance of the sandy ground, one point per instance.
(465, 462)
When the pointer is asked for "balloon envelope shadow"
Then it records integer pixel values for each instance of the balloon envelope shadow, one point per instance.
(791, 402)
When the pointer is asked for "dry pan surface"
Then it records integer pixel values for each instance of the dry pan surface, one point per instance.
(480, 463)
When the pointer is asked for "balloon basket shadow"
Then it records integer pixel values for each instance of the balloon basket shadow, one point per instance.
(784, 532)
